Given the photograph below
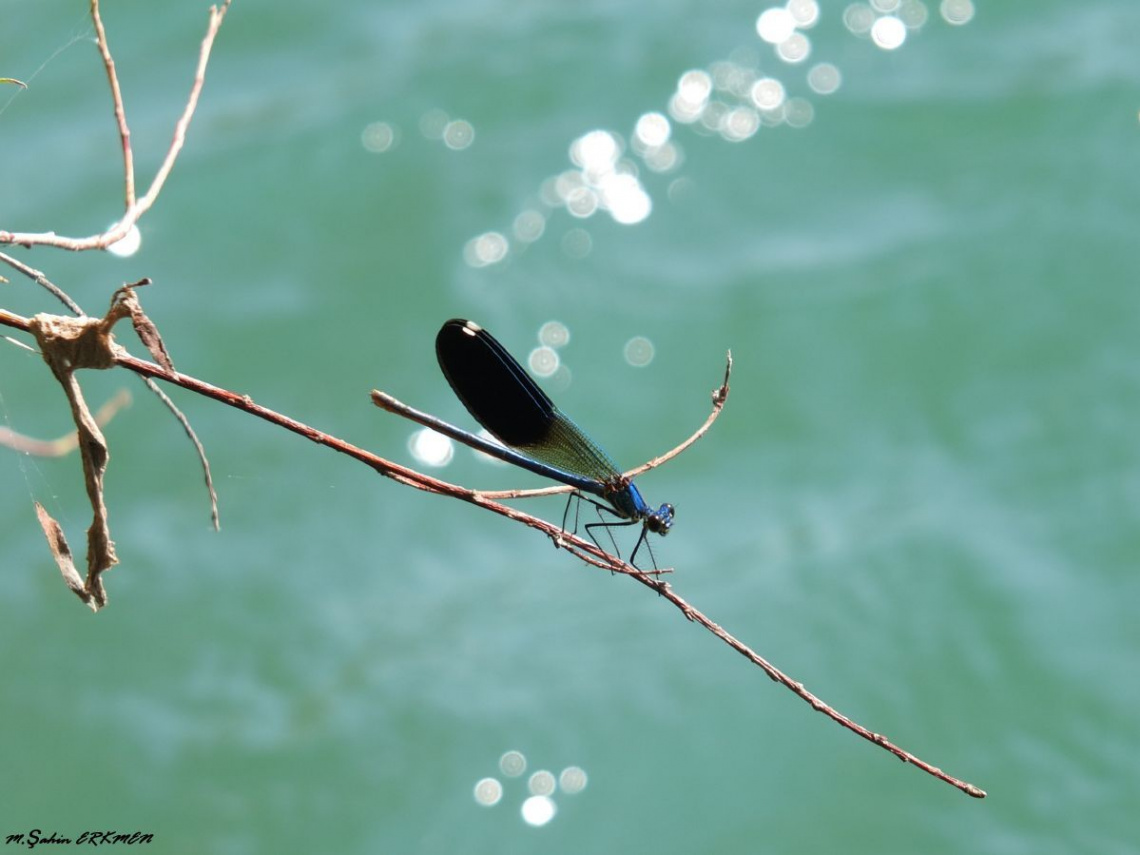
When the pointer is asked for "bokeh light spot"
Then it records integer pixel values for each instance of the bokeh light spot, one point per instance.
(127, 245)
(512, 763)
(858, 18)
(577, 243)
(888, 32)
(775, 25)
(529, 226)
(596, 151)
(804, 12)
(739, 124)
(488, 792)
(638, 352)
(957, 12)
(627, 201)
(538, 810)
(572, 780)
(543, 361)
(795, 48)
(767, 93)
(554, 334)
(663, 158)
(652, 130)
(431, 448)
(913, 13)
(798, 112)
(693, 91)
(458, 134)
(582, 202)
(378, 137)
(824, 78)
(487, 248)
(542, 783)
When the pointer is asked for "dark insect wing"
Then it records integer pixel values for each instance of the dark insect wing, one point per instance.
(492, 385)
(503, 398)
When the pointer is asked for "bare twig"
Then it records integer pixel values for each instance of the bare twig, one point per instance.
(586, 551)
(719, 396)
(68, 442)
(117, 98)
(193, 437)
(135, 208)
(40, 279)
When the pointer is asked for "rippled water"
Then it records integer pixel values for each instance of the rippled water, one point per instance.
(921, 498)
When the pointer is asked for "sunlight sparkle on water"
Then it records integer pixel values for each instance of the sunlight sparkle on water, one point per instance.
(595, 152)
(693, 91)
(733, 98)
(538, 806)
(627, 201)
(775, 25)
(652, 130)
(538, 810)
(888, 32)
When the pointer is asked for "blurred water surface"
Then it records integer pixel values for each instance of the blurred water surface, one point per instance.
(921, 499)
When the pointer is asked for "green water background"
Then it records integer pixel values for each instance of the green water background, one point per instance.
(922, 499)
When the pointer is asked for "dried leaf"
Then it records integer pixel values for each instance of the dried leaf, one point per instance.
(62, 554)
(126, 299)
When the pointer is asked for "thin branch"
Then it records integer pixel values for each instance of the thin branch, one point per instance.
(579, 547)
(135, 207)
(217, 15)
(202, 459)
(719, 396)
(69, 441)
(40, 279)
(117, 98)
